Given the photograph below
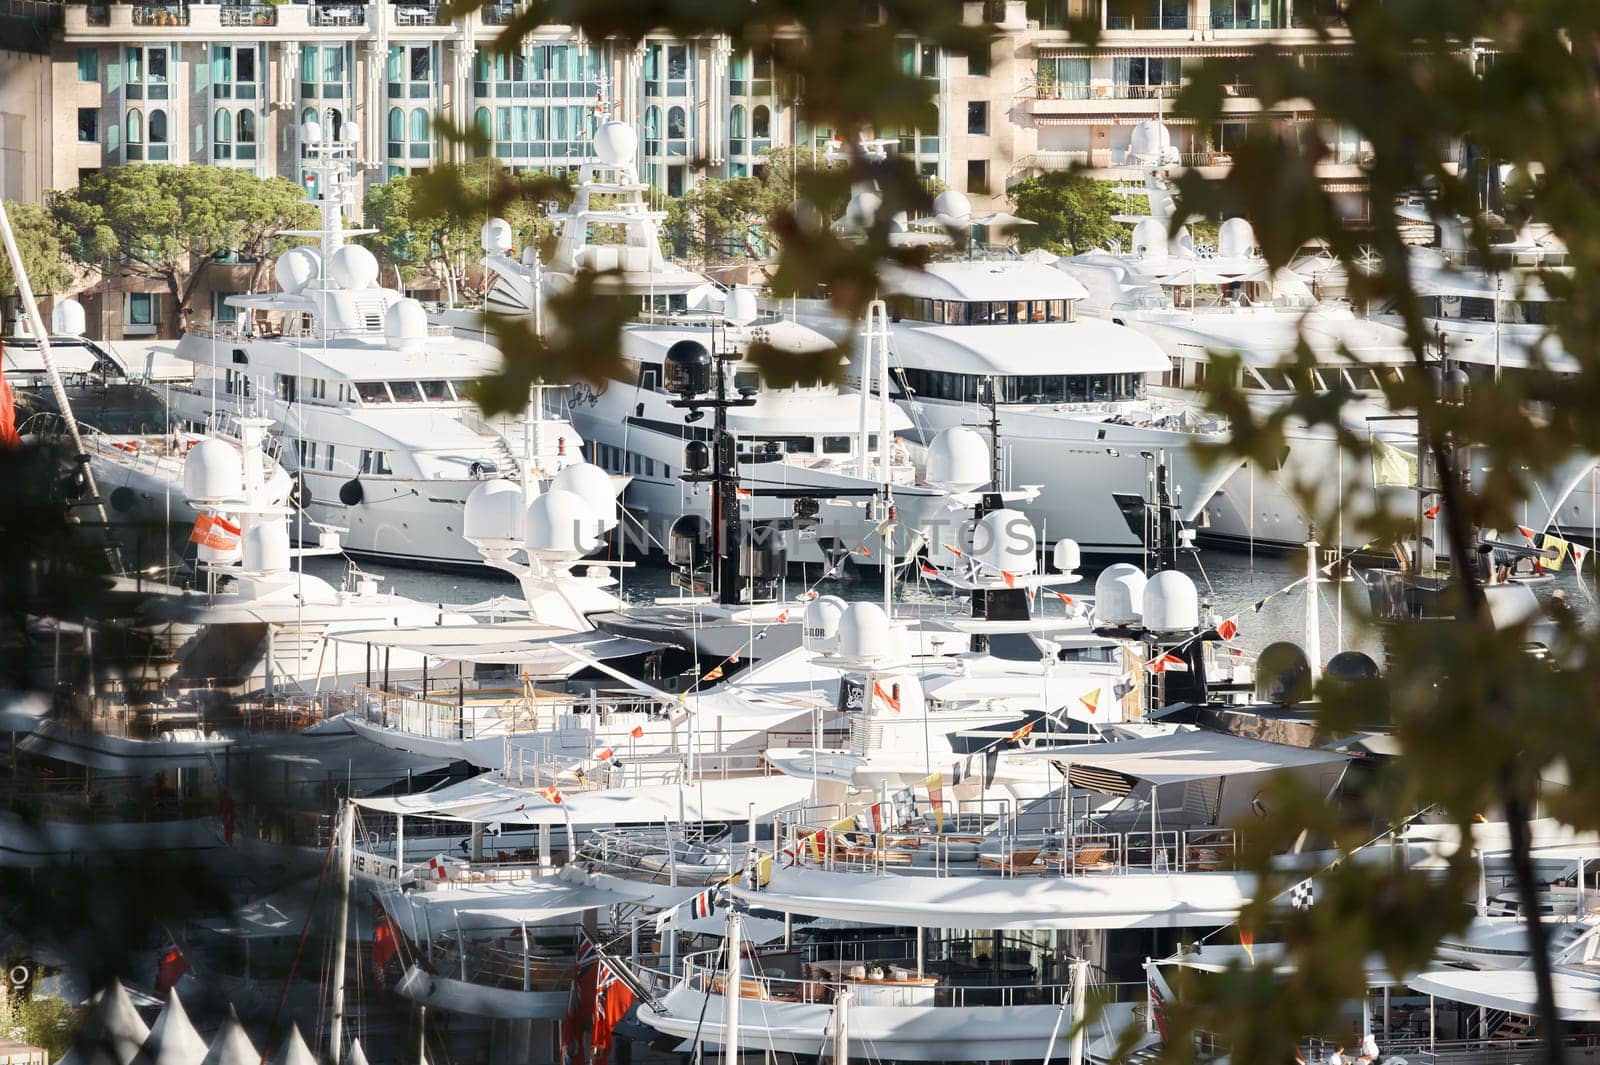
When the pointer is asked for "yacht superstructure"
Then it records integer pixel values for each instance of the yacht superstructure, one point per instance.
(369, 399)
(811, 440)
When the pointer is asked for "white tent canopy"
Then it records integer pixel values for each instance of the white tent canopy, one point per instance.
(484, 800)
(514, 903)
(1577, 994)
(1140, 900)
(1181, 757)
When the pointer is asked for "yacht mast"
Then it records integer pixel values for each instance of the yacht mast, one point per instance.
(341, 932)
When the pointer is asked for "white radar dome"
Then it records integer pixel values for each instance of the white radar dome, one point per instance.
(495, 515)
(405, 324)
(67, 319)
(1171, 603)
(741, 307)
(353, 267)
(1119, 594)
(616, 143)
(1235, 238)
(594, 486)
(1067, 556)
(212, 472)
(958, 460)
(821, 623)
(1150, 241)
(865, 633)
(266, 547)
(863, 208)
(561, 523)
(952, 205)
(297, 268)
(1151, 141)
(496, 235)
(1004, 540)
(311, 131)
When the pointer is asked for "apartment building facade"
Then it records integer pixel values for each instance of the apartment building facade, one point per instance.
(232, 83)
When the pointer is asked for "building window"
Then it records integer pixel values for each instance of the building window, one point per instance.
(736, 130)
(677, 131)
(135, 126)
(144, 309)
(88, 64)
(89, 125)
(222, 134)
(978, 117)
(978, 175)
(247, 126)
(761, 128)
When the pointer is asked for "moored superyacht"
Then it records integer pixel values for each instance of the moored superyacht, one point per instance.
(984, 336)
(811, 440)
(369, 399)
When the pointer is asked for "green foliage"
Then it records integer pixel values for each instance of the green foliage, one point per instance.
(430, 223)
(1072, 213)
(168, 223)
(39, 241)
(48, 1023)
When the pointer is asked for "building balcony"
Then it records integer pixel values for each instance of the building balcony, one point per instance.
(176, 14)
(497, 14)
(1146, 22)
(413, 14)
(214, 22)
(238, 15)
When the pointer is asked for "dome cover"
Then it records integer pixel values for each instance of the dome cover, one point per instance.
(594, 486)
(822, 619)
(405, 324)
(495, 515)
(1005, 540)
(212, 472)
(266, 547)
(1236, 239)
(1283, 675)
(496, 235)
(616, 144)
(1171, 603)
(958, 460)
(865, 633)
(1119, 594)
(561, 523)
(353, 268)
(67, 318)
(296, 268)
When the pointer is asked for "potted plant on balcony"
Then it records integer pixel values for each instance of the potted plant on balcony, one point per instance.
(1045, 82)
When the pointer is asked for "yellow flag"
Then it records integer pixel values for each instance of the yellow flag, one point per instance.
(1560, 547)
(1091, 699)
(934, 782)
(1392, 467)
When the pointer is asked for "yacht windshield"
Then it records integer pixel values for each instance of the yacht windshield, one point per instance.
(1024, 388)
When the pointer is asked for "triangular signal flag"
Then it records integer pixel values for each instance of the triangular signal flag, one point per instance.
(1091, 699)
(1228, 628)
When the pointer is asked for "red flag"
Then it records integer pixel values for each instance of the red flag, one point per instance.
(1009, 578)
(170, 967)
(1228, 629)
(1433, 511)
(956, 551)
(385, 946)
(1169, 662)
(715, 673)
(1247, 940)
(551, 794)
(580, 1002)
(1065, 598)
(638, 732)
(8, 417)
(613, 1000)
(894, 703)
(1022, 733)
(929, 571)
(605, 755)
(783, 616)
(1526, 532)
(734, 658)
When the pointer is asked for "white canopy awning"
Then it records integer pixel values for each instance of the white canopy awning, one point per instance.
(1185, 756)
(537, 648)
(1134, 900)
(514, 903)
(1218, 957)
(485, 800)
(1577, 994)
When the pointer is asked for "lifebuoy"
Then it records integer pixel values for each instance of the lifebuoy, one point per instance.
(351, 492)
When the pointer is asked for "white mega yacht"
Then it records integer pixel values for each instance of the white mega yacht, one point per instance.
(1260, 317)
(369, 400)
(789, 439)
(989, 338)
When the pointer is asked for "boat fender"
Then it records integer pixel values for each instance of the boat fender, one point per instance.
(301, 494)
(123, 499)
(350, 493)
